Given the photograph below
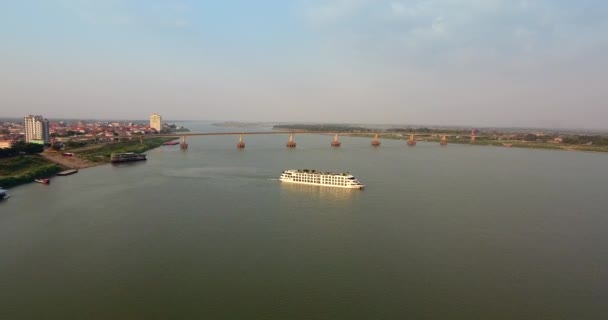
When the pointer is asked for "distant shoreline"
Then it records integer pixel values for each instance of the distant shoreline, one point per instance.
(461, 136)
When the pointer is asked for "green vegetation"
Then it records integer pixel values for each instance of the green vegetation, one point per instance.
(24, 169)
(102, 154)
(75, 144)
(586, 140)
(21, 148)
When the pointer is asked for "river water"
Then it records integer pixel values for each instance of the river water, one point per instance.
(456, 232)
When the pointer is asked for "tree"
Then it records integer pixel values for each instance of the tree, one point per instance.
(21, 148)
(33, 148)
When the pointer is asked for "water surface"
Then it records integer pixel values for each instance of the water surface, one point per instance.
(456, 232)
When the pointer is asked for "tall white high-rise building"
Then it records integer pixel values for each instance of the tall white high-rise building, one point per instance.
(36, 129)
(156, 122)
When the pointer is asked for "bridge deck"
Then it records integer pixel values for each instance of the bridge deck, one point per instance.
(195, 134)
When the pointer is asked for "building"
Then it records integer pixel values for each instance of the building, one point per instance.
(156, 122)
(6, 144)
(36, 129)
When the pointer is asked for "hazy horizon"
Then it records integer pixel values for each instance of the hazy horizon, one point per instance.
(498, 63)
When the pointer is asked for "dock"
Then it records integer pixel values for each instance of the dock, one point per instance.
(67, 172)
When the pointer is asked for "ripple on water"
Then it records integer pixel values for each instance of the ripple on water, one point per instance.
(214, 171)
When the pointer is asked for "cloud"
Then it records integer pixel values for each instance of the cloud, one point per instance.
(436, 29)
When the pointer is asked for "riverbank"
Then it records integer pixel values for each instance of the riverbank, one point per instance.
(494, 143)
(531, 145)
(546, 145)
(24, 169)
(100, 154)
(67, 162)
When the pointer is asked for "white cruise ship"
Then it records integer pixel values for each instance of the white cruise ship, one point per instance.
(329, 179)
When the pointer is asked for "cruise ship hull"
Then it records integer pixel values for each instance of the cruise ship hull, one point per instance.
(322, 184)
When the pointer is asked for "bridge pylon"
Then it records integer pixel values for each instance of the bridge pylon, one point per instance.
(290, 143)
(183, 144)
(411, 142)
(444, 141)
(240, 144)
(376, 142)
(336, 143)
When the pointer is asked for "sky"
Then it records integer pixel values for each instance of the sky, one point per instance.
(506, 63)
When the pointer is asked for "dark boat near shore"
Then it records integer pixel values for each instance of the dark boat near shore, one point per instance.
(127, 157)
(3, 194)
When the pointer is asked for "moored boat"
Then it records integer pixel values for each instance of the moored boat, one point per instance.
(43, 181)
(313, 177)
(3, 194)
(127, 157)
(67, 172)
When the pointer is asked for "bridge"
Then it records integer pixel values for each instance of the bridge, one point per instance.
(290, 143)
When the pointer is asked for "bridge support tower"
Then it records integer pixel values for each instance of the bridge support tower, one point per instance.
(240, 144)
(444, 141)
(336, 143)
(411, 142)
(376, 142)
(473, 136)
(290, 143)
(183, 144)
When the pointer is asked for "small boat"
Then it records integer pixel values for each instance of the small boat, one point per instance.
(3, 194)
(67, 154)
(67, 172)
(43, 181)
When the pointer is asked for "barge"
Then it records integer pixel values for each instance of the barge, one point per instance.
(127, 157)
(67, 172)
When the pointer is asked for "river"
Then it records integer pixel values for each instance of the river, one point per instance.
(456, 232)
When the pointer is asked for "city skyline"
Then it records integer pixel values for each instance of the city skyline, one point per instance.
(461, 63)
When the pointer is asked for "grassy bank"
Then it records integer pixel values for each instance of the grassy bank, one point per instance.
(530, 145)
(102, 154)
(24, 169)
(496, 143)
(569, 141)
